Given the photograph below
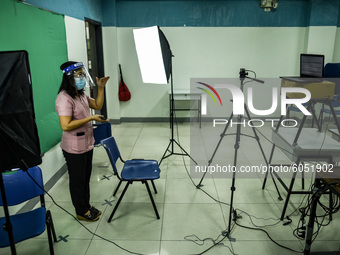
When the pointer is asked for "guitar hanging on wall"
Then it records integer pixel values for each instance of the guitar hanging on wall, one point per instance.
(123, 92)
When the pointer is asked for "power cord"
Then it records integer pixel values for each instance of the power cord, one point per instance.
(215, 244)
(201, 242)
(287, 217)
(103, 238)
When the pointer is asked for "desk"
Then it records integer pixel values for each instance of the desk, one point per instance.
(332, 183)
(307, 145)
(187, 95)
(311, 145)
(334, 134)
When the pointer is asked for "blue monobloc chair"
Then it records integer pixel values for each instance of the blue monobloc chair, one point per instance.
(101, 131)
(19, 188)
(135, 170)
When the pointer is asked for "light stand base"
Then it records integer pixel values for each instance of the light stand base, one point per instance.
(227, 234)
(171, 152)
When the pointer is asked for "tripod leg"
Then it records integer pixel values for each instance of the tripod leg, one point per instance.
(185, 153)
(231, 210)
(315, 118)
(301, 125)
(270, 160)
(256, 136)
(217, 146)
(233, 188)
(334, 116)
(163, 157)
(271, 174)
(8, 227)
(288, 196)
(264, 156)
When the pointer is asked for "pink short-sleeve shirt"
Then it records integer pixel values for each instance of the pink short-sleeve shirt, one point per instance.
(78, 140)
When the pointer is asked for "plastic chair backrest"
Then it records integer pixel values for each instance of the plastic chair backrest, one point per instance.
(19, 187)
(101, 131)
(112, 150)
(332, 70)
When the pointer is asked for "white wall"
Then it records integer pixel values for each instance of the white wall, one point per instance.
(336, 56)
(200, 52)
(321, 40)
(111, 62)
(209, 52)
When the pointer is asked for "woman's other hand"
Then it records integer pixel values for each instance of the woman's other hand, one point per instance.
(102, 81)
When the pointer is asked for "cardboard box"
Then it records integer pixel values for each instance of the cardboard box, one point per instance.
(318, 90)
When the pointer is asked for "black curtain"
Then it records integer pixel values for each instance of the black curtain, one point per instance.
(166, 53)
(19, 141)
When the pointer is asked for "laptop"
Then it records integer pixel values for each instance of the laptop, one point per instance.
(311, 69)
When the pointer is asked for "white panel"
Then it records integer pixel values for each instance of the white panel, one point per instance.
(76, 39)
(147, 100)
(210, 52)
(149, 54)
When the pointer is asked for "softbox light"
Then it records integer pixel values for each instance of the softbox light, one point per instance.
(19, 146)
(154, 55)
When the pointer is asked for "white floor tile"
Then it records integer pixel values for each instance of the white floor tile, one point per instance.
(191, 219)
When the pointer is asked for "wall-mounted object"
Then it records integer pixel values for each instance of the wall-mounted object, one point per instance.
(268, 5)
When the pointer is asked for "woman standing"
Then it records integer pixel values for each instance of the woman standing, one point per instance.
(73, 109)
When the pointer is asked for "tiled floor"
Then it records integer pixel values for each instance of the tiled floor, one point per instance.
(191, 220)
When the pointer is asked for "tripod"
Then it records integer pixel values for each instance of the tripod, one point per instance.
(243, 75)
(8, 225)
(172, 139)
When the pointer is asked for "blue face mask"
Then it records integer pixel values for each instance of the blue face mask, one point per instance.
(80, 83)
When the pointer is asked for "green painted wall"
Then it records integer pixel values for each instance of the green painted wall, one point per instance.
(42, 35)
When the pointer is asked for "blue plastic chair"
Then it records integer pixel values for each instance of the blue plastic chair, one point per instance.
(20, 188)
(133, 170)
(101, 131)
(332, 73)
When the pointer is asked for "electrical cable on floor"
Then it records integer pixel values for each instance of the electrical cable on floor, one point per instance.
(103, 238)
(300, 231)
(227, 205)
(260, 229)
(250, 216)
(215, 243)
(200, 242)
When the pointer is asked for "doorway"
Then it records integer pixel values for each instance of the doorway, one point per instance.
(94, 45)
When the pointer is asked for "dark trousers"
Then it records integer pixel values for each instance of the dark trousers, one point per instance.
(79, 168)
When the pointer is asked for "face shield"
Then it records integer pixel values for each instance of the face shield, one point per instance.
(78, 75)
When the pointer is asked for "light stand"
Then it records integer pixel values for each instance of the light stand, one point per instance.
(232, 212)
(172, 139)
(19, 146)
(154, 56)
(8, 225)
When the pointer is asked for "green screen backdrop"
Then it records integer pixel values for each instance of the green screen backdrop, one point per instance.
(42, 34)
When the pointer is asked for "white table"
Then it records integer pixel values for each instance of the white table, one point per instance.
(335, 134)
(187, 95)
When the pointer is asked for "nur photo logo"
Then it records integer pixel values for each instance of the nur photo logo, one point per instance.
(238, 99)
(274, 101)
(204, 97)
